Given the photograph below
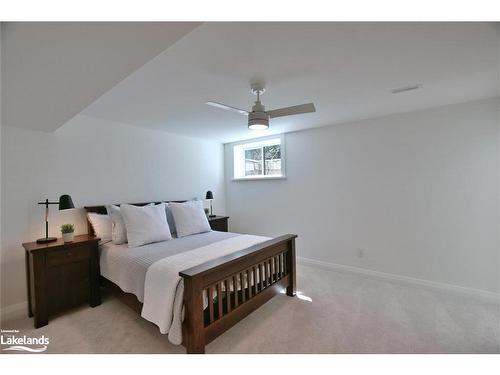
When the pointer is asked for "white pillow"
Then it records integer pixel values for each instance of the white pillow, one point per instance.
(118, 230)
(101, 225)
(189, 218)
(145, 224)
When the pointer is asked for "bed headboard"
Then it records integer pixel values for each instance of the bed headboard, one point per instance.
(102, 210)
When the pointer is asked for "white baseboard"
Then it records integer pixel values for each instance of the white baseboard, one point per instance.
(433, 285)
(14, 311)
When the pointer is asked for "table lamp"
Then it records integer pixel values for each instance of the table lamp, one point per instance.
(65, 203)
(210, 197)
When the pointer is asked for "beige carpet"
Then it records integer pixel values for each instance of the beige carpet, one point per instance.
(337, 313)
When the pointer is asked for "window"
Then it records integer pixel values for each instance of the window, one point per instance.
(263, 158)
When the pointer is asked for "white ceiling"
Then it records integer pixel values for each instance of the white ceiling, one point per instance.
(51, 71)
(346, 69)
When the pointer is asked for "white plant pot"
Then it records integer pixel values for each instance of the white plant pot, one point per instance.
(68, 237)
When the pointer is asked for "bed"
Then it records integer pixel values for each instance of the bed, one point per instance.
(196, 287)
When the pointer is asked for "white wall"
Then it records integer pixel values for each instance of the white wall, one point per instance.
(96, 162)
(416, 191)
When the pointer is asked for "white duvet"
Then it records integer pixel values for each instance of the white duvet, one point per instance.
(164, 288)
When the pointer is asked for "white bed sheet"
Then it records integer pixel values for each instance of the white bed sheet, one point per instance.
(127, 267)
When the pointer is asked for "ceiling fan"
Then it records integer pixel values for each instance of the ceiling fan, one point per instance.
(258, 117)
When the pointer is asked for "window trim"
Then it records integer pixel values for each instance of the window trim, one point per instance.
(282, 176)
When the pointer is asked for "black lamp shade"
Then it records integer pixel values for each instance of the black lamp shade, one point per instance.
(209, 195)
(65, 202)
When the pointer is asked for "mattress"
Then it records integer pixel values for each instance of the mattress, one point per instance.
(127, 267)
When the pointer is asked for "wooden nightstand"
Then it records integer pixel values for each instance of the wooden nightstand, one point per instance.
(61, 275)
(218, 223)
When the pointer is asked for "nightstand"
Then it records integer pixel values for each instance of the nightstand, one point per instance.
(61, 275)
(218, 223)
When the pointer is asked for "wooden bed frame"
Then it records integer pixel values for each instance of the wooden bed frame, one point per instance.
(273, 259)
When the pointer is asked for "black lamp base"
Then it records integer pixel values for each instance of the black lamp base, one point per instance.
(46, 240)
(212, 215)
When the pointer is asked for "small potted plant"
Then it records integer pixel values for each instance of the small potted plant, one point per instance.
(68, 232)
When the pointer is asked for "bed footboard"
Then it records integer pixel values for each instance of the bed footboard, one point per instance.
(235, 285)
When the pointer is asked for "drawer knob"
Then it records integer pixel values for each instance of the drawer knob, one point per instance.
(68, 253)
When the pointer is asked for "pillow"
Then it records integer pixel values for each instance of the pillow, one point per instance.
(118, 230)
(189, 218)
(101, 225)
(145, 224)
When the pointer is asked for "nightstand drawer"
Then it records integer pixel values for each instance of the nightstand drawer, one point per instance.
(219, 225)
(69, 255)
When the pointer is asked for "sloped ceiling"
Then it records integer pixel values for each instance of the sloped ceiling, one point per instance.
(346, 69)
(52, 71)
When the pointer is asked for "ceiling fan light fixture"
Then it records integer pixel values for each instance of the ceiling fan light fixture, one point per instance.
(258, 126)
(258, 121)
(258, 117)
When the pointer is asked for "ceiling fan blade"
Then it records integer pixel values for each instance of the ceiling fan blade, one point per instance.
(294, 110)
(228, 108)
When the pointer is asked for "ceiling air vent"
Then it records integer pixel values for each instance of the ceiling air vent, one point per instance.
(406, 88)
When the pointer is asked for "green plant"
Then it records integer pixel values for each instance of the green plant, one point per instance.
(206, 211)
(67, 228)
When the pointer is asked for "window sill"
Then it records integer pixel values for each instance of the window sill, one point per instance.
(260, 178)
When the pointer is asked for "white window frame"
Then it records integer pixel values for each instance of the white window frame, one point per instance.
(256, 143)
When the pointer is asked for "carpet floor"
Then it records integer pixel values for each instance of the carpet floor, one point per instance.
(334, 313)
